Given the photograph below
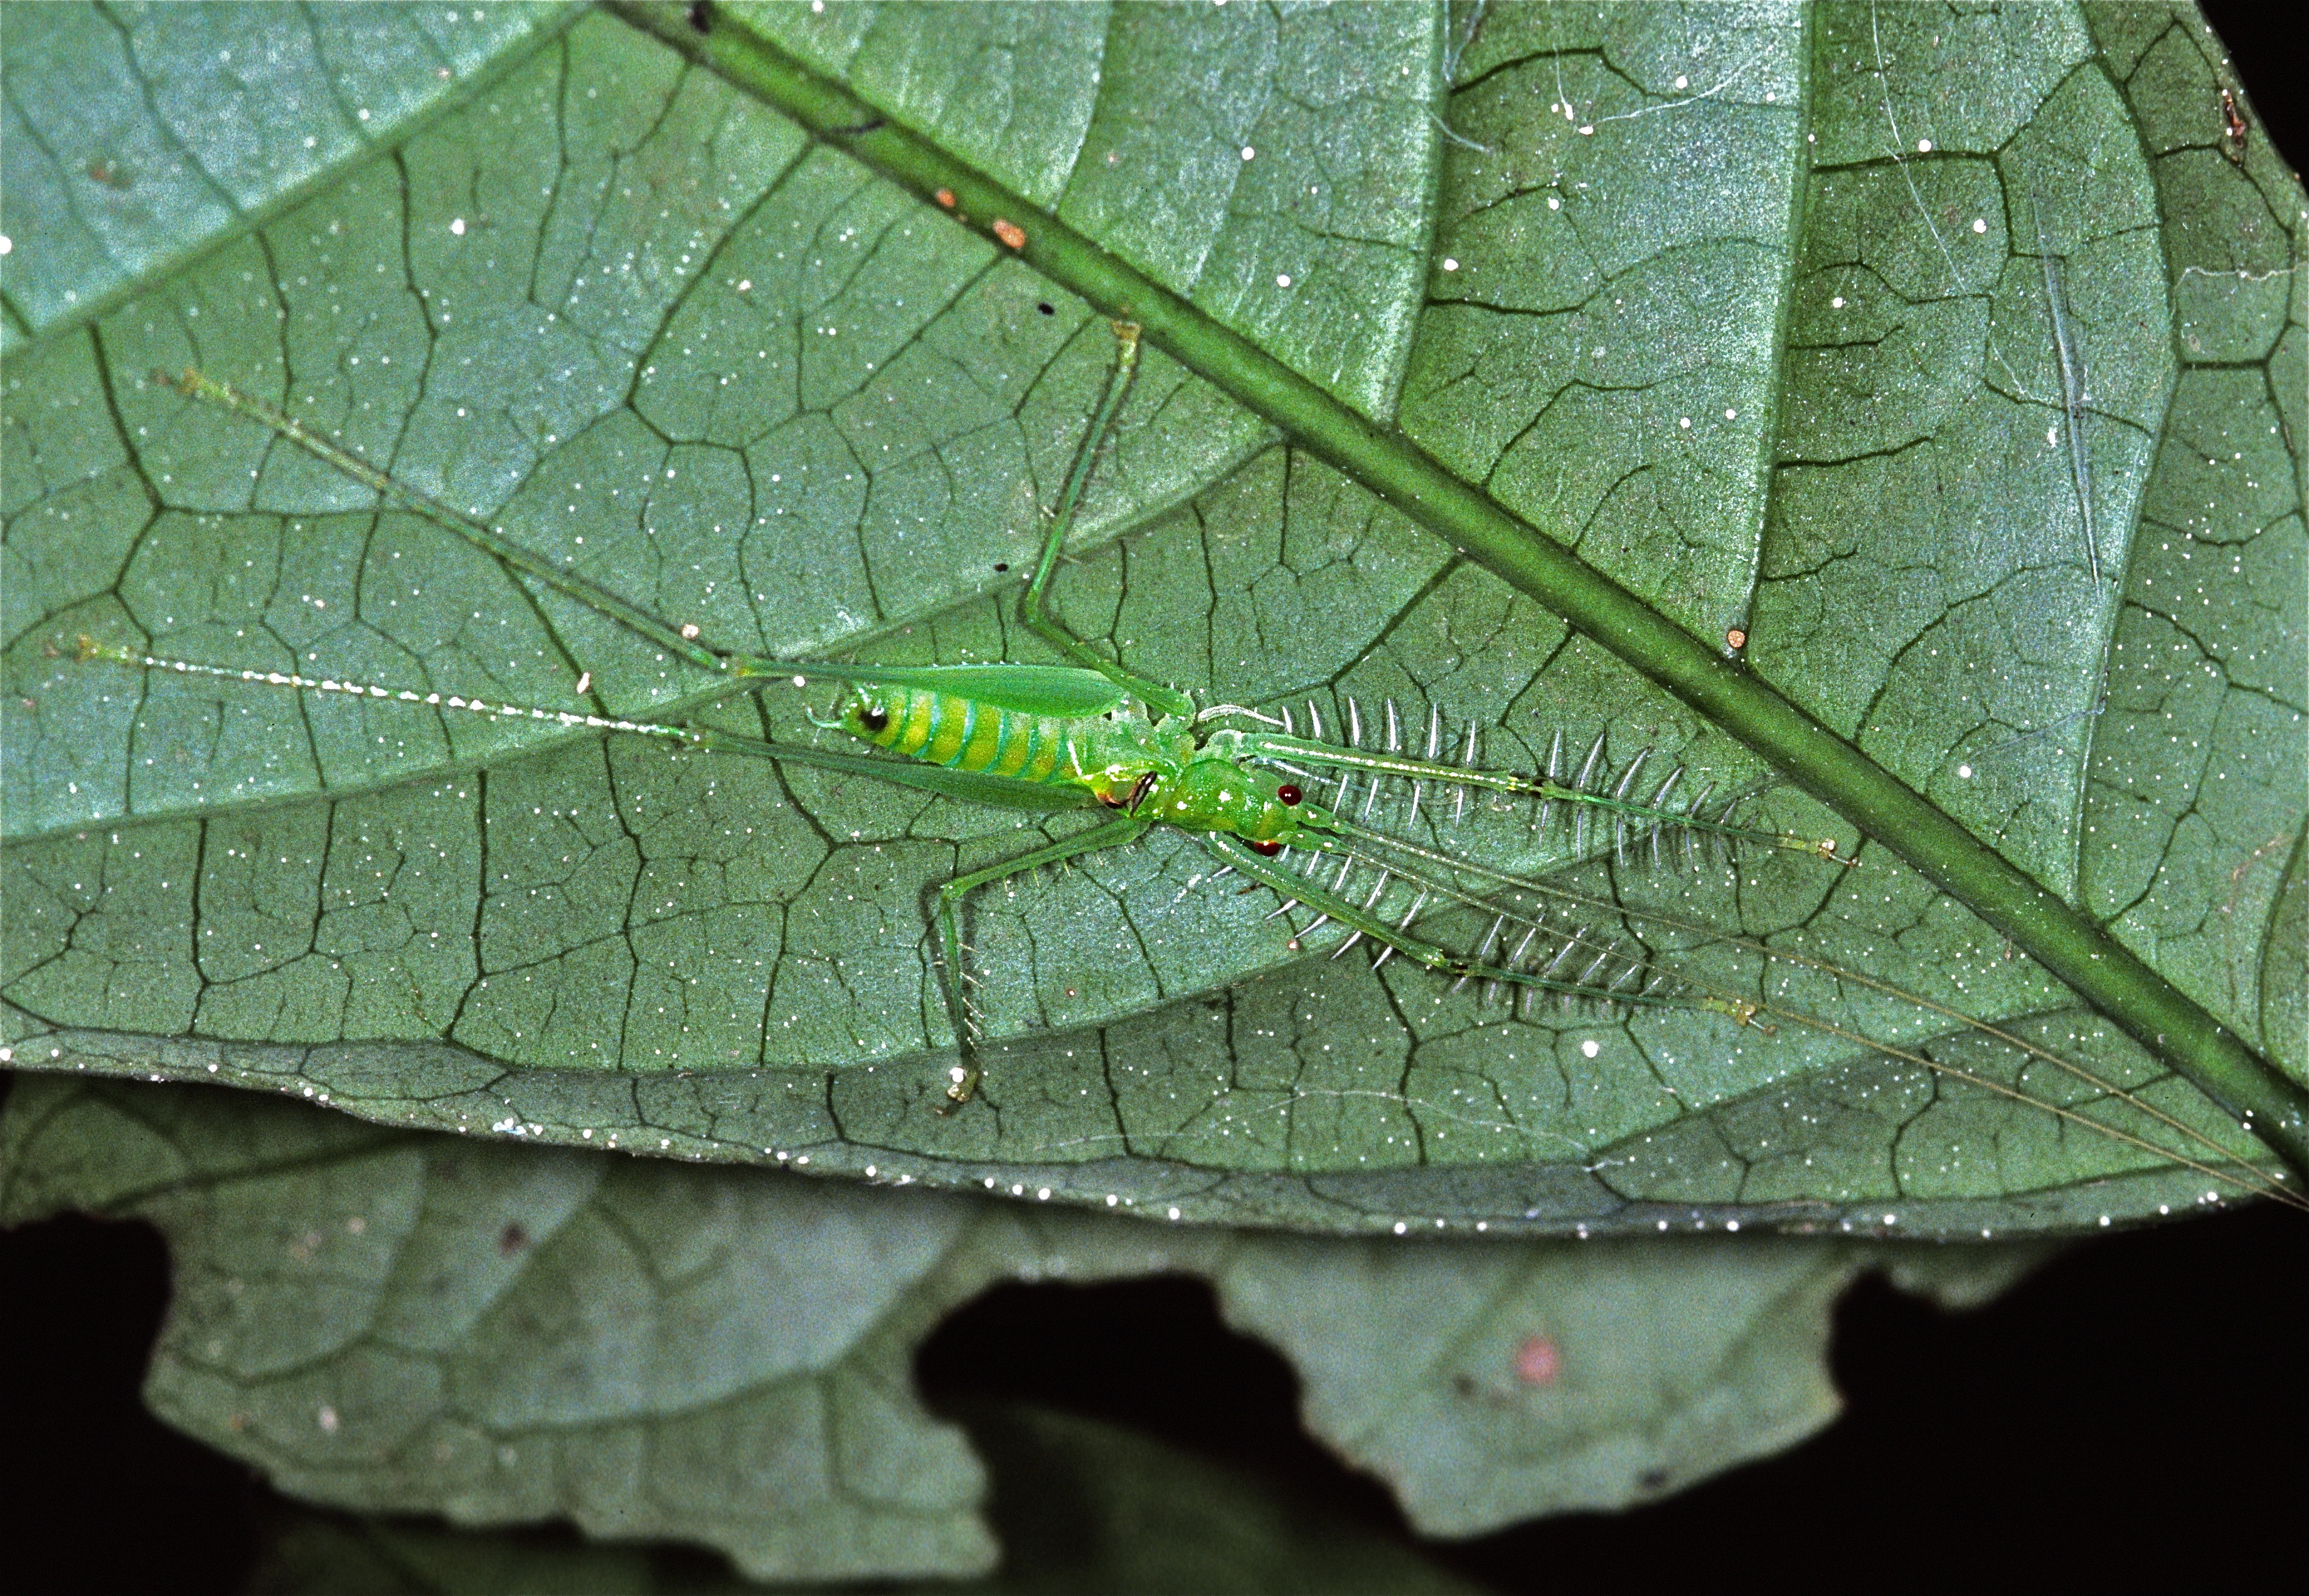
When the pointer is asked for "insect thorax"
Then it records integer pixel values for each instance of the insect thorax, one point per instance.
(1210, 792)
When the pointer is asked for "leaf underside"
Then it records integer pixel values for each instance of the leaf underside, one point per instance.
(1948, 368)
(1912, 308)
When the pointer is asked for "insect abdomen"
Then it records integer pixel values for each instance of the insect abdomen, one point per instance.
(966, 733)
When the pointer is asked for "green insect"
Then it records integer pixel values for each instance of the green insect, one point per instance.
(1094, 735)
(1047, 738)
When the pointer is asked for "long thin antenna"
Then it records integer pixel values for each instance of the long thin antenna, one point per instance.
(2071, 363)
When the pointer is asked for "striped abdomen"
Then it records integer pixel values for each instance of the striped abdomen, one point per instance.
(963, 734)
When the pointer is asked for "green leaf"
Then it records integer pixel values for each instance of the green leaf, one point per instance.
(403, 1322)
(1081, 1506)
(1783, 327)
(147, 136)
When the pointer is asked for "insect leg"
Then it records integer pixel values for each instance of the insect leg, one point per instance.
(1112, 833)
(1628, 811)
(1583, 981)
(1167, 701)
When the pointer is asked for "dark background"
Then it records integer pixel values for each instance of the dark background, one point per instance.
(2140, 1403)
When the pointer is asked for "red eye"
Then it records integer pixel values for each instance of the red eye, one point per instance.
(1266, 850)
(1288, 794)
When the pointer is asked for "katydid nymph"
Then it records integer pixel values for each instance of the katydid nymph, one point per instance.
(1290, 812)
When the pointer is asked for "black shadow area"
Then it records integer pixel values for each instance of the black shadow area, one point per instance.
(96, 1494)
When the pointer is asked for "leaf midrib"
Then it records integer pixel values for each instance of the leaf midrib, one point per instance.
(2080, 953)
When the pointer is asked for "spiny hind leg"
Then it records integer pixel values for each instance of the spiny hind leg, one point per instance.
(1361, 919)
(1600, 971)
(1615, 799)
(1165, 700)
(952, 971)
